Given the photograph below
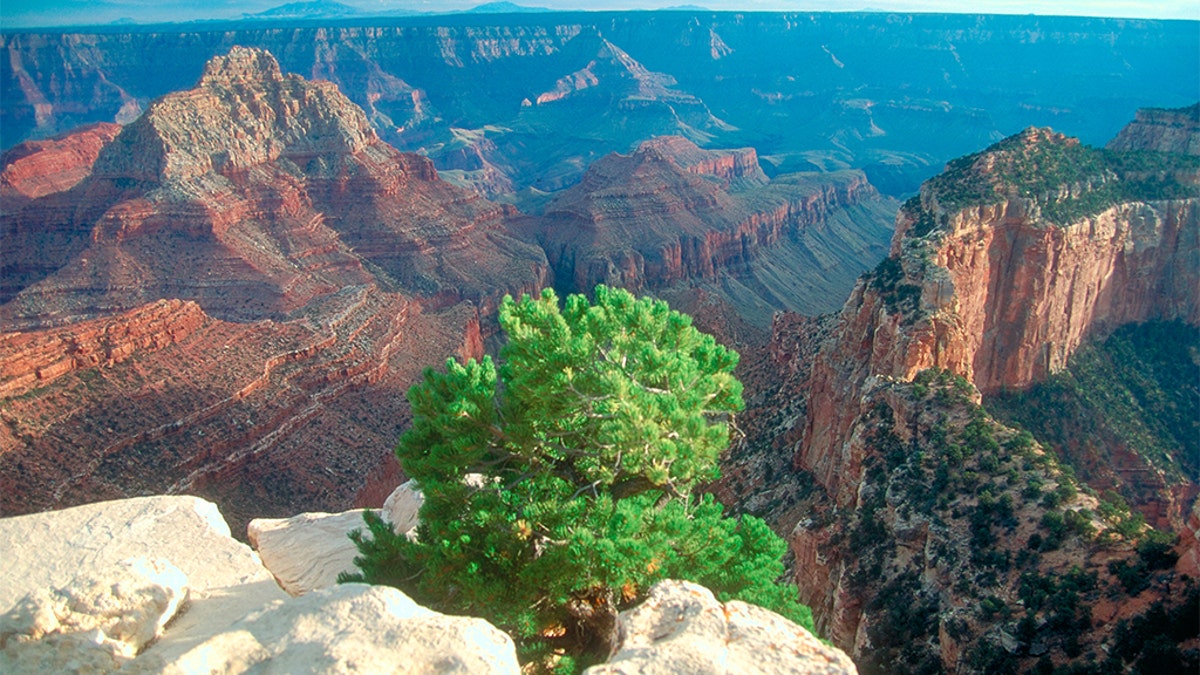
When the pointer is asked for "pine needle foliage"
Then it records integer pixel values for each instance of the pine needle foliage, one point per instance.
(559, 486)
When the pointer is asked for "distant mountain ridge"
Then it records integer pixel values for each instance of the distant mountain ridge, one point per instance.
(808, 91)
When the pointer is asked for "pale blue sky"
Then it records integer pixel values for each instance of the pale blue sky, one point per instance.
(25, 13)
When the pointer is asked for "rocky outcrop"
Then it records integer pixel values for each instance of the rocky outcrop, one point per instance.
(352, 628)
(1176, 130)
(37, 168)
(995, 293)
(102, 612)
(98, 623)
(682, 628)
(308, 551)
(243, 113)
(673, 214)
(737, 167)
(224, 578)
(253, 194)
(999, 270)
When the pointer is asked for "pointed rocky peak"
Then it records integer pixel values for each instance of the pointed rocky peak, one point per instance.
(243, 113)
(614, 54)
(621, 74)
(241, 65)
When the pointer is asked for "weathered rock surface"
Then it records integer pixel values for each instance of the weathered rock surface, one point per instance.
(402, 508)
(35, 359)
(98, 622)
(87, 597)
(307, 551)
(225, 579)
(916, 493)
(682, 628)
(351, 628)
(1176, 130)
(1001, 297)
(93, 610)
(253, 194)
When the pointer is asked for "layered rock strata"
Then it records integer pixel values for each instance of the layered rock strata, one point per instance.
(1161, 130)
(671, 214)
(38, 168)
(997, 294)
(253, 194)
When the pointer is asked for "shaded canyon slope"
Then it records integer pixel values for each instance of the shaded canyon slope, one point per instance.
(929, 537)
(507, 102)
(233, 299)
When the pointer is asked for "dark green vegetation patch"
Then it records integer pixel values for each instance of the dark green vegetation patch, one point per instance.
(1137, 391)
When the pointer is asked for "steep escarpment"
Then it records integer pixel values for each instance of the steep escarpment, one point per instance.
(998, 275)
(672, 215)
(233, 300)
(931, 536)
(1162, 130)
(32, 360)
(259, 416)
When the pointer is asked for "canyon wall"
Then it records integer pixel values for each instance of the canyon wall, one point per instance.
(1162, 130)
(671, 215)
(997, 294)
(996, 277)
(230, 296)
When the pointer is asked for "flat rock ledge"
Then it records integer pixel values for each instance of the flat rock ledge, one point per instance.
(158, 585)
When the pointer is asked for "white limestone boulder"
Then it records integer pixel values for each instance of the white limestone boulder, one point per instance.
(224, 577)
(402, 508)
(683, 629)
(309, 551)
(351, 628)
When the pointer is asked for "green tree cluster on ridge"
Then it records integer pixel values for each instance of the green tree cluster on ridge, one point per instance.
(558, 486)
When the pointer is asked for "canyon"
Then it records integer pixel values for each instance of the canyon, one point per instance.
(224, 283)
(229, 295)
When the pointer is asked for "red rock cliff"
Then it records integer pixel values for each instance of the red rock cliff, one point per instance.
(998, 294)
(234, 301)
(1176, 130)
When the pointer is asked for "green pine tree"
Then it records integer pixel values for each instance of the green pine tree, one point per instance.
(586, 443)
